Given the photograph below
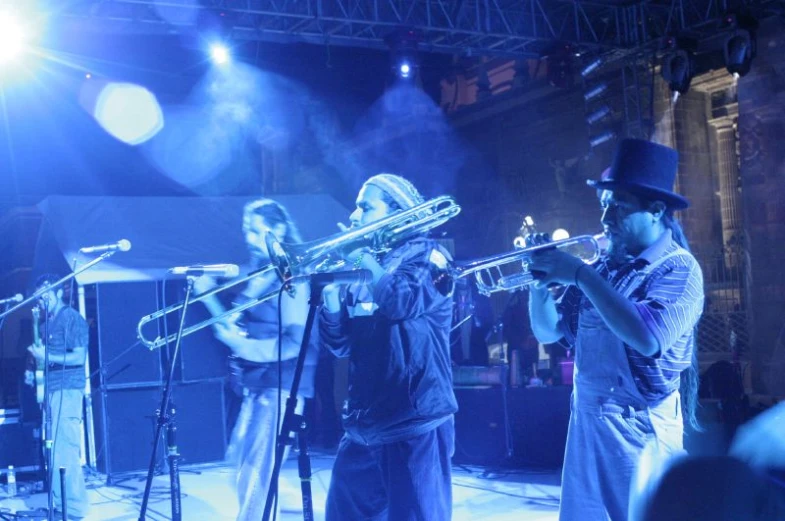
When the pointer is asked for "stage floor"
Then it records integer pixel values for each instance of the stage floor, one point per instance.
(207, 494)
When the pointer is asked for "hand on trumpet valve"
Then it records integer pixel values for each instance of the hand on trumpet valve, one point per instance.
(536, 239)
(552, 266)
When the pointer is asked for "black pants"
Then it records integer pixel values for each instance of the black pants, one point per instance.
(407, 480)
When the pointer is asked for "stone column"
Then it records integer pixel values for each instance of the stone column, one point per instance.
(730, 193)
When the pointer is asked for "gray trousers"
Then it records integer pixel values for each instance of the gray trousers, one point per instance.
(66, 407)
(252, 449)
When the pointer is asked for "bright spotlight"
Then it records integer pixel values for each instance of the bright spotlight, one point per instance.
(128, 112)
(560, 234)
(12, 38)
(219, 53)
(405, 69)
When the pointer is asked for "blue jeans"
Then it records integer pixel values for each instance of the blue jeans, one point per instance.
(409, 480)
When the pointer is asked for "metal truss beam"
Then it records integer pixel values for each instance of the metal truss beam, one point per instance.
(515, 28)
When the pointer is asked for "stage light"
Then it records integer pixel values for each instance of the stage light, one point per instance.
(560, 234)
(405, 69)
(12, 38)
(598, 115)
(599, 139)
(739, 51)
(677, 70)
(591, 67)
(220, 54)
(595, 91)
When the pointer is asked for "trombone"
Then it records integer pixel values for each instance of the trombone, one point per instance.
(160, 342)
(510, 271)
(322, 255)
(325, 255)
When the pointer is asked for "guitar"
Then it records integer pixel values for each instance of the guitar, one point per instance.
(39, 364)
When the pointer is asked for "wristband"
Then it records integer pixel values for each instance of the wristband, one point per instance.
(577, 272)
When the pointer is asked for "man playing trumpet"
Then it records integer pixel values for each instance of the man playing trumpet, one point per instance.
(394, 460)
(630, 317)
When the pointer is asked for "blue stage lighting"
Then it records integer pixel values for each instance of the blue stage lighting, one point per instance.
(220, 54)
(405, 69)
(12, 38)
(599, 139)
(128, 112)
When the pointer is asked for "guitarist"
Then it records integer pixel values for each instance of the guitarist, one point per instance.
(254, 360)
(65, 336)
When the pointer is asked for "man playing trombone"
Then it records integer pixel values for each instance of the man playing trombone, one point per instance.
(254, 360)
(393, 463)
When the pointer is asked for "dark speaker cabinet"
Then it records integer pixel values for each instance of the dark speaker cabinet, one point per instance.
(121, 358)
(125, 421)
(20, 443)
(480, 428)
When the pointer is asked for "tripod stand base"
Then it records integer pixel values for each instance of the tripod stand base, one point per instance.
(35, 515)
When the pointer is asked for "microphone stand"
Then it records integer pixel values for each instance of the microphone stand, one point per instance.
(46, 411)
(166, 419)
(60, 282)
(295, 423)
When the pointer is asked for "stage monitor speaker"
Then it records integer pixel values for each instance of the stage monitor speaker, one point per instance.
(20, 444)
(125, 423)
(121, 358)
(539, 417)
(481, 435)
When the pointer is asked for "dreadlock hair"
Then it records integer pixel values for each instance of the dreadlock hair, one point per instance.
(690, 377)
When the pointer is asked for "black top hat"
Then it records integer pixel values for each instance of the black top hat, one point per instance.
(645, 169)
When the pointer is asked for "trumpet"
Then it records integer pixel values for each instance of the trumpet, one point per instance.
(510, 271)
(322, 255)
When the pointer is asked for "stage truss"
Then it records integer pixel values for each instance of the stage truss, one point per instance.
(514, 28)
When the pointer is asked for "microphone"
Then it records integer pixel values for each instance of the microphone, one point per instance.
(121, 245)
(342, 277)
(214, 270)
(12, 300)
